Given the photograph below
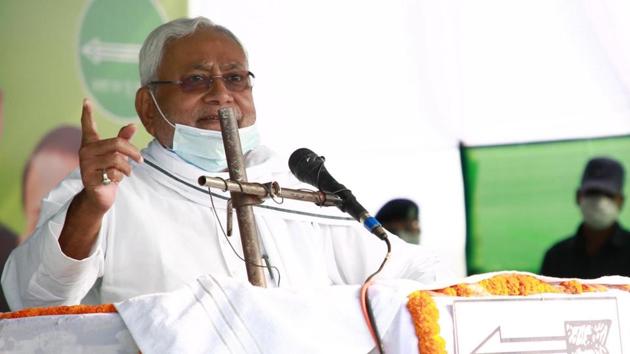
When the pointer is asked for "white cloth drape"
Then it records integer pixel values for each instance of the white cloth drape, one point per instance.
(224, 315)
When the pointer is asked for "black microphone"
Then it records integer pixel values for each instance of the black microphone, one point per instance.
(309, 168)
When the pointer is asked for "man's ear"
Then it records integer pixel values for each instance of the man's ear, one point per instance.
(146, 109)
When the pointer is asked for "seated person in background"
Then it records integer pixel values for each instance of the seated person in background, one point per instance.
(402, 218)
(129, 223)
(600, 246)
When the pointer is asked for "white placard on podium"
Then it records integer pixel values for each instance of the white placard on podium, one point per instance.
(558, 324)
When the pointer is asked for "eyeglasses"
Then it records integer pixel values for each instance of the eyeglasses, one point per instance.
(234, 81)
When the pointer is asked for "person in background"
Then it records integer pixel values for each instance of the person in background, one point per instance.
(402, 218)
(56, 155)
(600, 246)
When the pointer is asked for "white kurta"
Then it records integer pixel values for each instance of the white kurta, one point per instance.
(162, 233)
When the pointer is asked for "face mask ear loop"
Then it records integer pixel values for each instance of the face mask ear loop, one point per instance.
(159, 109)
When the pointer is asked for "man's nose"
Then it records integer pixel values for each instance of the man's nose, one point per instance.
(218, 93)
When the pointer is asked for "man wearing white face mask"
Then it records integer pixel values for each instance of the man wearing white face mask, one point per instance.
(132, 222)
(601, 246)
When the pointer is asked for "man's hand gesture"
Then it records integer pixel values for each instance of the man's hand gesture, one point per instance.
(104, 163)
(104, 160)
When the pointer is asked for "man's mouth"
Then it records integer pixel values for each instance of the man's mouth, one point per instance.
(208, 118)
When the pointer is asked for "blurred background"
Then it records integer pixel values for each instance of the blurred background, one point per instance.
(483, 112)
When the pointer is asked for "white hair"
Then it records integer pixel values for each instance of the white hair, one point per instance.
(153, 47)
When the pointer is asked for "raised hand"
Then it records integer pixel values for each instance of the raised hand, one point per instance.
(104, 162)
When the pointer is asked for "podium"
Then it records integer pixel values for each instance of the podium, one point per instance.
(503, 312)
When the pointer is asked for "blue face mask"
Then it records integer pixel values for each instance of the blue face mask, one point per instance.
(204, 148)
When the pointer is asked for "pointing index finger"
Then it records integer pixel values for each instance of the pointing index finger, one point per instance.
(88, 126)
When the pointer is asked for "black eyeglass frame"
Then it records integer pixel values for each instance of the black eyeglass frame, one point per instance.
(209, 80)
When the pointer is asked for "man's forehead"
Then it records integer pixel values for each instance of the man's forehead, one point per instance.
(205, 49)
(206, 37)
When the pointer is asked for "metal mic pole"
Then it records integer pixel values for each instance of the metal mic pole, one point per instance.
(242, 202)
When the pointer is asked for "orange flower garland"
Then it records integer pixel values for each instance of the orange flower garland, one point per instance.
(59, 310)
(517, 284)
(425, 314)
(575, 287)
(457, 290)
(624, 287)
(425, 319)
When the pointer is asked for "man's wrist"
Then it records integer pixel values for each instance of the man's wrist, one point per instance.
(81, 227)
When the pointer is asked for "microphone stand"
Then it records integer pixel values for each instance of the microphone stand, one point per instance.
(271, 190)
(242, 202)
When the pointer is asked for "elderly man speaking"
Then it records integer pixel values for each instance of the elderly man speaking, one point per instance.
(132, 222)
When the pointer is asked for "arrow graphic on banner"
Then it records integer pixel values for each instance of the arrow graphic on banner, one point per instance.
(97, 51)
(580, 336)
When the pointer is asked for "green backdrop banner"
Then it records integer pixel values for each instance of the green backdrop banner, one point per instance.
(520, 199)
(52, 55)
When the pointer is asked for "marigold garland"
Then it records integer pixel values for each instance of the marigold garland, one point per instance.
(624, 287)
(59, 310)
(425, 320)
(517, 284)
(575, 287)
(458, 290)
(425, 313)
